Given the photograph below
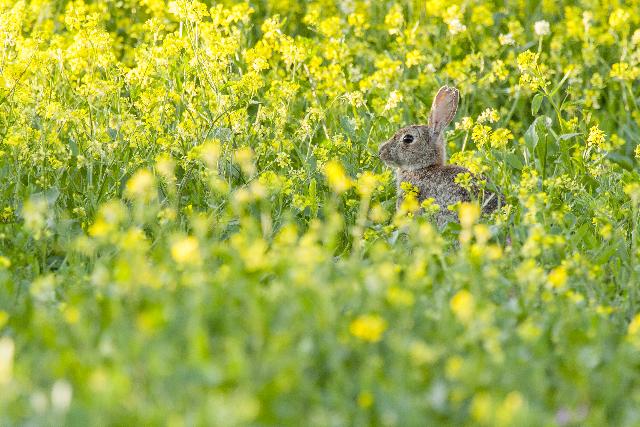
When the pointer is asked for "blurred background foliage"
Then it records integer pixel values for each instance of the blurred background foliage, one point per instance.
(195, 228)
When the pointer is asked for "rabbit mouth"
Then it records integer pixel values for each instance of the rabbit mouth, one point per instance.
(389, 162)
(385, 155)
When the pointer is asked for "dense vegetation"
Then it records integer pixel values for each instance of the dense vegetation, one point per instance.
(195, 228)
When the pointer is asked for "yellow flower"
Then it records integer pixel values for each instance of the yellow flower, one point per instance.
(409, 188)
(71, 314)
(469, 214)
(337, 177)
(188, 10)
(482, 15)
(465, 124)
(634, 325)
(210, 152)
(482, 408)
(429, 206)
(359, 23)
(596, 137)
(606, 231)
(4, 318)
(633, 191)
(624, 71)
(141, 185)
(557, 277)
(395, 98)
(7, 349)
(529, 331)
(463, 305)
(618, 19)
(465, 181)
(482, 234)
(481, 135)
(271, 27)
(394, 19)
(501, 137)
(368, 327)
(456, 26)
(453, 18)
(6, 215)
(509, 408)
(604, 310)
(414, 57)
(574, 297)
(244, 157)
(34, 213)
(185, 250)
(330, 27)
(399, 297)
(527, 61)
(365, 399)
(4, 262)
(409, 203)
(420, 353)
(453, 367)
(489, 115)
(378, 214)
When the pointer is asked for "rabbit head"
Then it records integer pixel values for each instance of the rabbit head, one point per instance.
(419, 146)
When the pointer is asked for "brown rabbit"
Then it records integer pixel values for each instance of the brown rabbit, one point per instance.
(418, 154)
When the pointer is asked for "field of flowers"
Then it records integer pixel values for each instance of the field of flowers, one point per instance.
(195, 228)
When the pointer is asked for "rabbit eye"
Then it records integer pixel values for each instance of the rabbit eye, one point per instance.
(407, 139)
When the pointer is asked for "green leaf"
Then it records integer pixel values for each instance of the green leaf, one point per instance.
(348, 125)
(313, 196)
(531, 136)
(621, 160)
(73, 146)
(559, 85)
(566, 136)
(535, 104)
(50, 195)
(514, 161)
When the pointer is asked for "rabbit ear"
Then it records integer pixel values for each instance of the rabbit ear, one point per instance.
(443, 108)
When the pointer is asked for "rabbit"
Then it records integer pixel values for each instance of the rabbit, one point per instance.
(418, 154)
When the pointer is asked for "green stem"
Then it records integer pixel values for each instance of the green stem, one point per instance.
(360, 224)
(633, 282)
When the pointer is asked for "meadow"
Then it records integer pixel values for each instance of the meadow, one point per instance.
(196, 229)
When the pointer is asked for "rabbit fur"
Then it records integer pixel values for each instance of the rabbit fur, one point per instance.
(418, 154)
